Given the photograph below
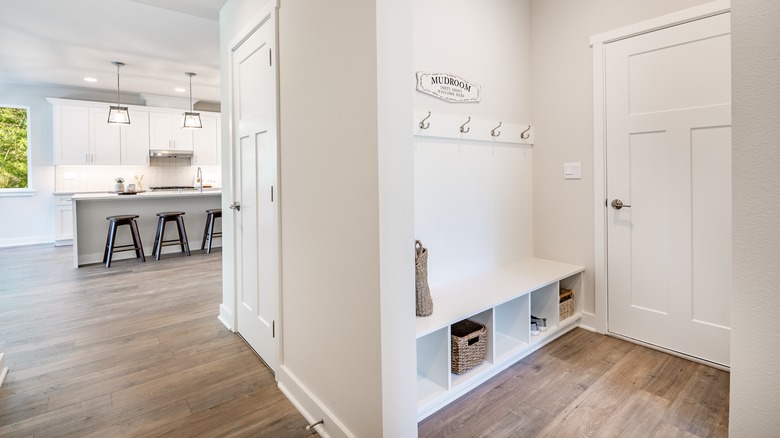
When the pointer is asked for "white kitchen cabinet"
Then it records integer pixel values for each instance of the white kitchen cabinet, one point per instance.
(135, 140)
(104, 138)
(206, 141)
(63, 220)
(71, 134)
(166, 133)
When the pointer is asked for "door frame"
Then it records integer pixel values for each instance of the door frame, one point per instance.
(598, 46)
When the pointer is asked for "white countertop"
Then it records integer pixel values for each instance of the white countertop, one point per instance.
(103, 196)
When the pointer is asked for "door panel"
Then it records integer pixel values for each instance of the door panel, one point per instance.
(668, 118)
(255, 180)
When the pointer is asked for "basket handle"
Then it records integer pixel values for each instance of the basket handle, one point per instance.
(418, 248)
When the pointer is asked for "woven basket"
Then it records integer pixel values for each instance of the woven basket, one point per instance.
(424, 303)
(468, 345)
(566, 304)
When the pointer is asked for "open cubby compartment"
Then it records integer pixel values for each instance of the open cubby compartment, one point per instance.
(485, 318)
(574, 283)
(513, 331)
(433, 365)
(544, 304)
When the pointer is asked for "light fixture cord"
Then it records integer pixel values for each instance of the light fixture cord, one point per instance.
(191, 109)
(117, 85)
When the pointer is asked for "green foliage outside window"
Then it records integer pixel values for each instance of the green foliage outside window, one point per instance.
(13, 148)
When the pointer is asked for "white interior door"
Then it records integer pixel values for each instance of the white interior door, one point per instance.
(668, 117)
(255, 180)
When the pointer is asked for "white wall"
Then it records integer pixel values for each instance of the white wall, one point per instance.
(473, 199)
(562, 96)
(347, 239)
(29, 219)
(755, 338)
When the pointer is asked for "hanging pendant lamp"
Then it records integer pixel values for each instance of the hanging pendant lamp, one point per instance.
(191, 118)
(118, 114)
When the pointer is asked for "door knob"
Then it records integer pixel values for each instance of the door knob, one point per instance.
(235, 206)
(617, 204)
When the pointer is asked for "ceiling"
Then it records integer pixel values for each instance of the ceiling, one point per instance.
(59, 43)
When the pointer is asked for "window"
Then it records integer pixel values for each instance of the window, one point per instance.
(14, 156)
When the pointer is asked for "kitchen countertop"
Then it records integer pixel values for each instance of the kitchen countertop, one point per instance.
(146, 195)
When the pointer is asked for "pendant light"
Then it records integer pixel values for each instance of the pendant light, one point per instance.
(191, 118)
(118, 114)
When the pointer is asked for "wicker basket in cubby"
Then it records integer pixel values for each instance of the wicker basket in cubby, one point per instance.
(566, 304)
(468, 345)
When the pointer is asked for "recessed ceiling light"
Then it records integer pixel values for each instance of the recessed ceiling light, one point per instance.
(90, 79)
(180, 89)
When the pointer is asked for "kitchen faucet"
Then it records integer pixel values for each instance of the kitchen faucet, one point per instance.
(200, 180)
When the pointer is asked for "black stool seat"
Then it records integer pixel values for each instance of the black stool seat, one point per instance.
(209, 233)
(159, 238)
(111, 247)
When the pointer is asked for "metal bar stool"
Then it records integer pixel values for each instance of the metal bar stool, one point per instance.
(111, 247)
(209, 233)
(159, 238)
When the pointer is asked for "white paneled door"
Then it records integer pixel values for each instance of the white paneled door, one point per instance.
(668, 161)
(255, 209)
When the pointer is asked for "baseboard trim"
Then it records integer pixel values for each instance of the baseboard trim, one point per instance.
(3, 369)
(312, 409)
(225, 317)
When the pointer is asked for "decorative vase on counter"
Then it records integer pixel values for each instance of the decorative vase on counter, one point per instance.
(119, 185)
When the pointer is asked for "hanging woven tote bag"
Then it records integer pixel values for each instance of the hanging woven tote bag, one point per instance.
(423, 292)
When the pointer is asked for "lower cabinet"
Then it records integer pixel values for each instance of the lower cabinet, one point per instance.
(63, 220)
(503, 301)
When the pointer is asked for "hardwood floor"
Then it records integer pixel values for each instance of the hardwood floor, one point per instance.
(132, 350)
(136, 350)
(589, 385)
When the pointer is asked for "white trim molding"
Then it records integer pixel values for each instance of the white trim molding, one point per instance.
(598, 44)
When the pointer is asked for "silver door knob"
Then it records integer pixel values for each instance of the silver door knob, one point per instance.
(617, 204)
(235, 206)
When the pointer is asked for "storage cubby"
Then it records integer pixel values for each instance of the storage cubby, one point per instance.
(512, 332)
(433, 359)
(544, 304)
(574, 283)
(485, 318)
(503, 300)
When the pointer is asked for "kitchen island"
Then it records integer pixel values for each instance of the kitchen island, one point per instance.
(90, 225)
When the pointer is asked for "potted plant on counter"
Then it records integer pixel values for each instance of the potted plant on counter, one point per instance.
(119, 185)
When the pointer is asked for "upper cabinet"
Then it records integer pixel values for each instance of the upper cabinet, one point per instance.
(71, 135)
(104, 138)
(206, 141)
(82, 135)
(135, 140)
(166, 133)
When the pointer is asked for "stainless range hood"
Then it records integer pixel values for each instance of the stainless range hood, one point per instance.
(160, 153)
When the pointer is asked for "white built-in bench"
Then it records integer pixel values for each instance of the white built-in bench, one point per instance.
(502, 299)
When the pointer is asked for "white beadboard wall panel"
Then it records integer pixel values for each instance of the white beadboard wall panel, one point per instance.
(473, 205)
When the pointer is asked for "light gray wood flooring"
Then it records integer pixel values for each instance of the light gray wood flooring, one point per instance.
(132, 350)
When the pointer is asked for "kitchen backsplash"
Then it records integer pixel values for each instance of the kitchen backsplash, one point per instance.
(160, 172)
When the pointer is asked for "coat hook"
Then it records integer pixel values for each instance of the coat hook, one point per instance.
(424, 125)
(523, 134)
(493, 132)
(463, 128)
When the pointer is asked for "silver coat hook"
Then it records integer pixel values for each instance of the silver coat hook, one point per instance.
(463, 128)
(493, 132)
(311, 426)
(523, 134)
(424, 125)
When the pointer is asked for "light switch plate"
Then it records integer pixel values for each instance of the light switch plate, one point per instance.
(572, 170)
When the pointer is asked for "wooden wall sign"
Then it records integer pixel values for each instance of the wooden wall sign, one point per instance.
(447, 87)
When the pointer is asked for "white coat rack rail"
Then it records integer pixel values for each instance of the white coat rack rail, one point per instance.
(430, 124)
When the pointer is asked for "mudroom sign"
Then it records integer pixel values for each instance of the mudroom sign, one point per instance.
(447, 87)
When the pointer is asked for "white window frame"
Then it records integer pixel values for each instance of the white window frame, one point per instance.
(29, 190)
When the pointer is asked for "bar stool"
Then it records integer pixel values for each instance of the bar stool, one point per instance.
(209, 233)
(159, 238)
(111, 247)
